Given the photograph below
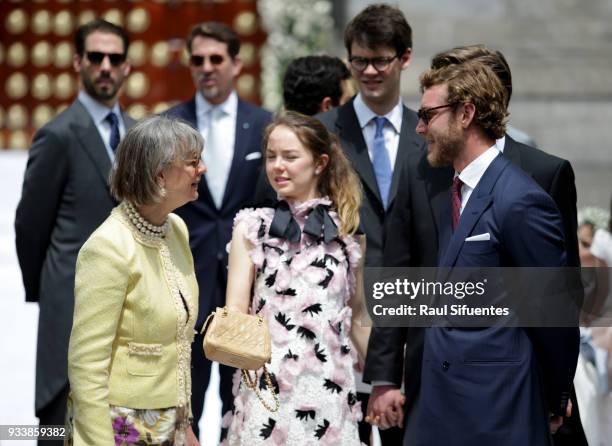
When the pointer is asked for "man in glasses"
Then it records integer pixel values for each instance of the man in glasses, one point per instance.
(496, 384)
(375, 128)
(414, 230)
(232, 130)
(65, 197)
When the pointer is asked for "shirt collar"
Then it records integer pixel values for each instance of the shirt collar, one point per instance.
(473, 172)
(229, 107)
(365, 115)
(501, 143)
(97, 111)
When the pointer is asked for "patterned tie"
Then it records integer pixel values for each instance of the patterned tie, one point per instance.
(111, 118)
(456, 200)
(381, 161)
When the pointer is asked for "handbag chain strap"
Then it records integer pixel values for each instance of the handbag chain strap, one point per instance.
(252, 384)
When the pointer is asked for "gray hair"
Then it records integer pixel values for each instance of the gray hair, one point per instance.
(148, 148)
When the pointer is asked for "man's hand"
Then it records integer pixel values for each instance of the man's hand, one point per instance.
(386, 407)
(556, 421)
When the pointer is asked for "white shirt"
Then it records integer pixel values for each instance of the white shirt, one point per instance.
(391, 131)
(98, 113)
(473, 172)
(217, 175)
(501, 143)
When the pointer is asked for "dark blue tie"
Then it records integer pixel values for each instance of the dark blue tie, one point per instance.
(381, 161)
(114, 128)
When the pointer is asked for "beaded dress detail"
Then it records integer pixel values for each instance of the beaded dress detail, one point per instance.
(302, 290)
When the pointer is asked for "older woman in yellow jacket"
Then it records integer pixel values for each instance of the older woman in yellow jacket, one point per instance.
(136, 297)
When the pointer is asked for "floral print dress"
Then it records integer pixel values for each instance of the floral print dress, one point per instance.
(302, 290)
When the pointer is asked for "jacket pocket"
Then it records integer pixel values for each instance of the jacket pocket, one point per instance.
(144, 359)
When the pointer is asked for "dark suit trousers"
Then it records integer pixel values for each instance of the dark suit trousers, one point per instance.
(200, 377)
(54, 413)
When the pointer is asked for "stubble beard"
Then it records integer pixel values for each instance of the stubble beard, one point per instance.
(99, 93)
(449, 147)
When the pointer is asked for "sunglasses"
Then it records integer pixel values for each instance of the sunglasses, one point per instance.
(427, 114)
(198, 61)
(96, 58)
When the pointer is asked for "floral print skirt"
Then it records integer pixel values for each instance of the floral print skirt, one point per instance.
(143, 427)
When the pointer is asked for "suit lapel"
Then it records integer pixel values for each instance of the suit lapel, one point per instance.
(355, 147)
(127, 120)
(188, 113)
(408, 142)
(88, 136)
(479, 201)
(244, 130)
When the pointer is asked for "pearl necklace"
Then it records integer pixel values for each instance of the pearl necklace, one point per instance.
(142, 225)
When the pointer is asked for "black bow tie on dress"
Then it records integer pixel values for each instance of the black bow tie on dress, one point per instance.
(317, 222)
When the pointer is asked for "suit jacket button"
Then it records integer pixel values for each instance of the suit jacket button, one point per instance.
(445, 365)
(219, 256)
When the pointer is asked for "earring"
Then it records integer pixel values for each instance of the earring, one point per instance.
(162, 191)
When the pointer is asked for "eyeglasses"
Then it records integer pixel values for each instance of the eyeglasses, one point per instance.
(97, 57)
(198, 61)
(379, 63)
(426, 114)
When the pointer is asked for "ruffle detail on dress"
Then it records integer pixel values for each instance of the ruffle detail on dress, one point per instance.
(256, 221)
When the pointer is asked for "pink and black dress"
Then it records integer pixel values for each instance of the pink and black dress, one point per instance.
(304, 280)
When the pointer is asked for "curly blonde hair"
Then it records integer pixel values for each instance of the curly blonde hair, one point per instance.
(338, 180)
(473, 82)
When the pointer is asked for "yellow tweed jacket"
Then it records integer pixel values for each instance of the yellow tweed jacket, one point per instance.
(135, 310)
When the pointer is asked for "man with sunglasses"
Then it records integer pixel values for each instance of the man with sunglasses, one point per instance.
(66, 197)
(377, 131)
(415, 222)
(232, 130)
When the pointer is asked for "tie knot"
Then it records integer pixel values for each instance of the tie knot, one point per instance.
(380, 122)
(215, 113)
(112, 118)
(457, 183)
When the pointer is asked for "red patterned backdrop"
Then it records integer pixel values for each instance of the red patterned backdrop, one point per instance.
(37, 80)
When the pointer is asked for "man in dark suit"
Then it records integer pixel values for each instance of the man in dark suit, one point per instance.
(379, 44)
(375, 129)
(65, 197)
(232, 129)
(493, 385)
(316, 84)
(413, 241)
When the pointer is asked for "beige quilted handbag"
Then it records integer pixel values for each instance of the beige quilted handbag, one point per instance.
(242, 341)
